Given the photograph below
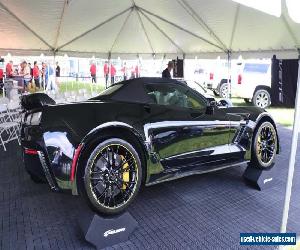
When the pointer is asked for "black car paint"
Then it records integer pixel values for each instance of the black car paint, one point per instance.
(175, 141)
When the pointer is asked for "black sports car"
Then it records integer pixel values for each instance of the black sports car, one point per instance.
(140, 131)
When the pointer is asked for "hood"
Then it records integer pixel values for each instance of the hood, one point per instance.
(250, 113)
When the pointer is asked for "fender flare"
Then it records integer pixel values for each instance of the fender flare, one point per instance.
(91, 135)
(267, 117)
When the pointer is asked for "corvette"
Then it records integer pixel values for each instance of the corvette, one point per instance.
(139, 132)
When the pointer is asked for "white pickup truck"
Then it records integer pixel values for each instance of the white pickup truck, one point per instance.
(253, 83)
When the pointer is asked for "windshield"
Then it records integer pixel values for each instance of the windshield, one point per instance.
(197, 86)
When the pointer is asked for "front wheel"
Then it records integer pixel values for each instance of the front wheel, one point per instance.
(113, 176)
(264, 146)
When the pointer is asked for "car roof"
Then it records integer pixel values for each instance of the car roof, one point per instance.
(133, 90)
(149, 80)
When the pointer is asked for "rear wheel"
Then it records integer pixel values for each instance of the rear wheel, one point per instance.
(224, 89)
(264, 146)
(112, 176)
(262, 98)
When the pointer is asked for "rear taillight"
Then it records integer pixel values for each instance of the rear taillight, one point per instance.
(239, 79)
(30, 151)
(211, 76)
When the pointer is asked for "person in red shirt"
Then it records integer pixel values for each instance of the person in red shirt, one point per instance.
(93, 70)
(112, 73)
(106, 72)
(36, 74)
(9, 70)
(1, 76)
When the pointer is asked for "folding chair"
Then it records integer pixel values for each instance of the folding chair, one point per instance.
(4, 100)
(8, 128)
(14, 110)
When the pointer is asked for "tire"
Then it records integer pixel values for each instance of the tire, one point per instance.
(224, 89)
(111, 183)
(262, 98)
(246, 100)
(264, 146)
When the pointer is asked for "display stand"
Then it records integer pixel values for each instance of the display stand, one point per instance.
(260, 179)
(105, 231)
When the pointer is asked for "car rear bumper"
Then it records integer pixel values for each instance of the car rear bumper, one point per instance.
(35, 156)
(32, 164)
(241, 92)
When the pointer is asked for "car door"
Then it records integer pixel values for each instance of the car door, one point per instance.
(183, 135)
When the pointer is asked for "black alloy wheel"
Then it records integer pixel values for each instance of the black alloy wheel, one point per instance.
(113, 176)
(265, 146)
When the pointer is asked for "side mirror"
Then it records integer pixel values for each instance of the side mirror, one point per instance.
(225, 103)
(210, 109)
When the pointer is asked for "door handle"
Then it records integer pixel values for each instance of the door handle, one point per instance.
(147, 108)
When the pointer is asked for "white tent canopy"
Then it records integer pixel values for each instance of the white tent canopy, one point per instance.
(126, 28)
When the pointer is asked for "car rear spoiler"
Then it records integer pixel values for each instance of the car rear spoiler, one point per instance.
(36, 100)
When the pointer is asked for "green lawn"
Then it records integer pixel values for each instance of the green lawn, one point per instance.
(283, 116)
(75, 86)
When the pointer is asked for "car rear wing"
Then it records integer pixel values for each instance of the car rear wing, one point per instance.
(35, 101)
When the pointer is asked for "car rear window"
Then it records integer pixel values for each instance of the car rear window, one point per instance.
(256, 68)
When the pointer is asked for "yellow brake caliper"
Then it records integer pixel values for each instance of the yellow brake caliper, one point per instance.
(259, 144)
(125, 173)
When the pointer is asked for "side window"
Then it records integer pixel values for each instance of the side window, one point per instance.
(172, 95)
(256, 68)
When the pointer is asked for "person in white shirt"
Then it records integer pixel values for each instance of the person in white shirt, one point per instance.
(25, 73)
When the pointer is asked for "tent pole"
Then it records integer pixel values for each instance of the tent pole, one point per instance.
(144, 29)
(162, 32)
(183, 57)
(25, 25)
(77, 74)
(94, 28)
(121, 29)
(234, 25)
(54, 69)
(289, 29)
(187, 7)
(179, 27)
(229, 73)
(296, 129)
